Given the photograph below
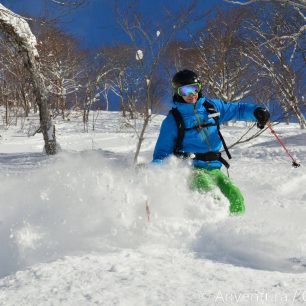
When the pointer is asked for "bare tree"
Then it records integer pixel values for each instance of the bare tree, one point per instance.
(295, 3)
(299, 6)
(150, 42)
(62, 65)
(278, 57)
(227, 74)
(17, 31)
(118, 74)
(215, 53)
(90, 97)
(15, 81)
(70, 3)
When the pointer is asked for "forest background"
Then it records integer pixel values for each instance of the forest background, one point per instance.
(121, 55)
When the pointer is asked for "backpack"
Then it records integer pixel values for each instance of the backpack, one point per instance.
(210, 156)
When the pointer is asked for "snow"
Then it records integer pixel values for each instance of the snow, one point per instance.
(139, 55)
(74, 227)
(21, 27)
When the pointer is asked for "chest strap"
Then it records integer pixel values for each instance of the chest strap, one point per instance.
(200, 126)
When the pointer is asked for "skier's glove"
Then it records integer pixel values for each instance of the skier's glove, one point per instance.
(262, 115)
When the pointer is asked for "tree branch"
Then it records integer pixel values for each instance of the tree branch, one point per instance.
(70, 4)
(297, 3)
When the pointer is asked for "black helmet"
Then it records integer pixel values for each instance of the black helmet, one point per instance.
(184, 77)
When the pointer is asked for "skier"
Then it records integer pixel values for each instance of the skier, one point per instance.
(191, 131)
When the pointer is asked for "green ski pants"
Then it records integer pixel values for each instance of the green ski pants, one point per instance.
(206, 180)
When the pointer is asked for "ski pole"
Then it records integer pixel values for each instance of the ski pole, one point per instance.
(148, 211)
(295, 164)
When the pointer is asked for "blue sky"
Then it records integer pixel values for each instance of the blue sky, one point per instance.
(95, 25)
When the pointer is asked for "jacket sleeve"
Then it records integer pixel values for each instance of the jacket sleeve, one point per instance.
(235, 111)
(166, 140)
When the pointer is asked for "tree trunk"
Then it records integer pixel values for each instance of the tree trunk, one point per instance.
(18, 32)
(6, 111)
(141, 137)
(298, 113)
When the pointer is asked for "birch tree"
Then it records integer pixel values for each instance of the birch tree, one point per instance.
(226, 73)
(118, 74)
(280, 57)
(150, 41)
(15, 85)
(62, 65)
(294, 3)
(70, 3)
(17, 32)
(215, 53)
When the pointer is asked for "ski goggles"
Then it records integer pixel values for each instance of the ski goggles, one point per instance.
(186, 90)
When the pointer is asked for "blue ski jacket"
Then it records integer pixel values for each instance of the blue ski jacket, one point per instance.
(201, 140)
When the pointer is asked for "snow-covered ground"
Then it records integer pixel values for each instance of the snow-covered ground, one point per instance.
(74, 228)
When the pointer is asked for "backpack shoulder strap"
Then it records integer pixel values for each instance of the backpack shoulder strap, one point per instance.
(180, 129)
(209, 107)
(215, 115)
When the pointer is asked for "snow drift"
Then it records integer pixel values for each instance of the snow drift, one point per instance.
(79, 219)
